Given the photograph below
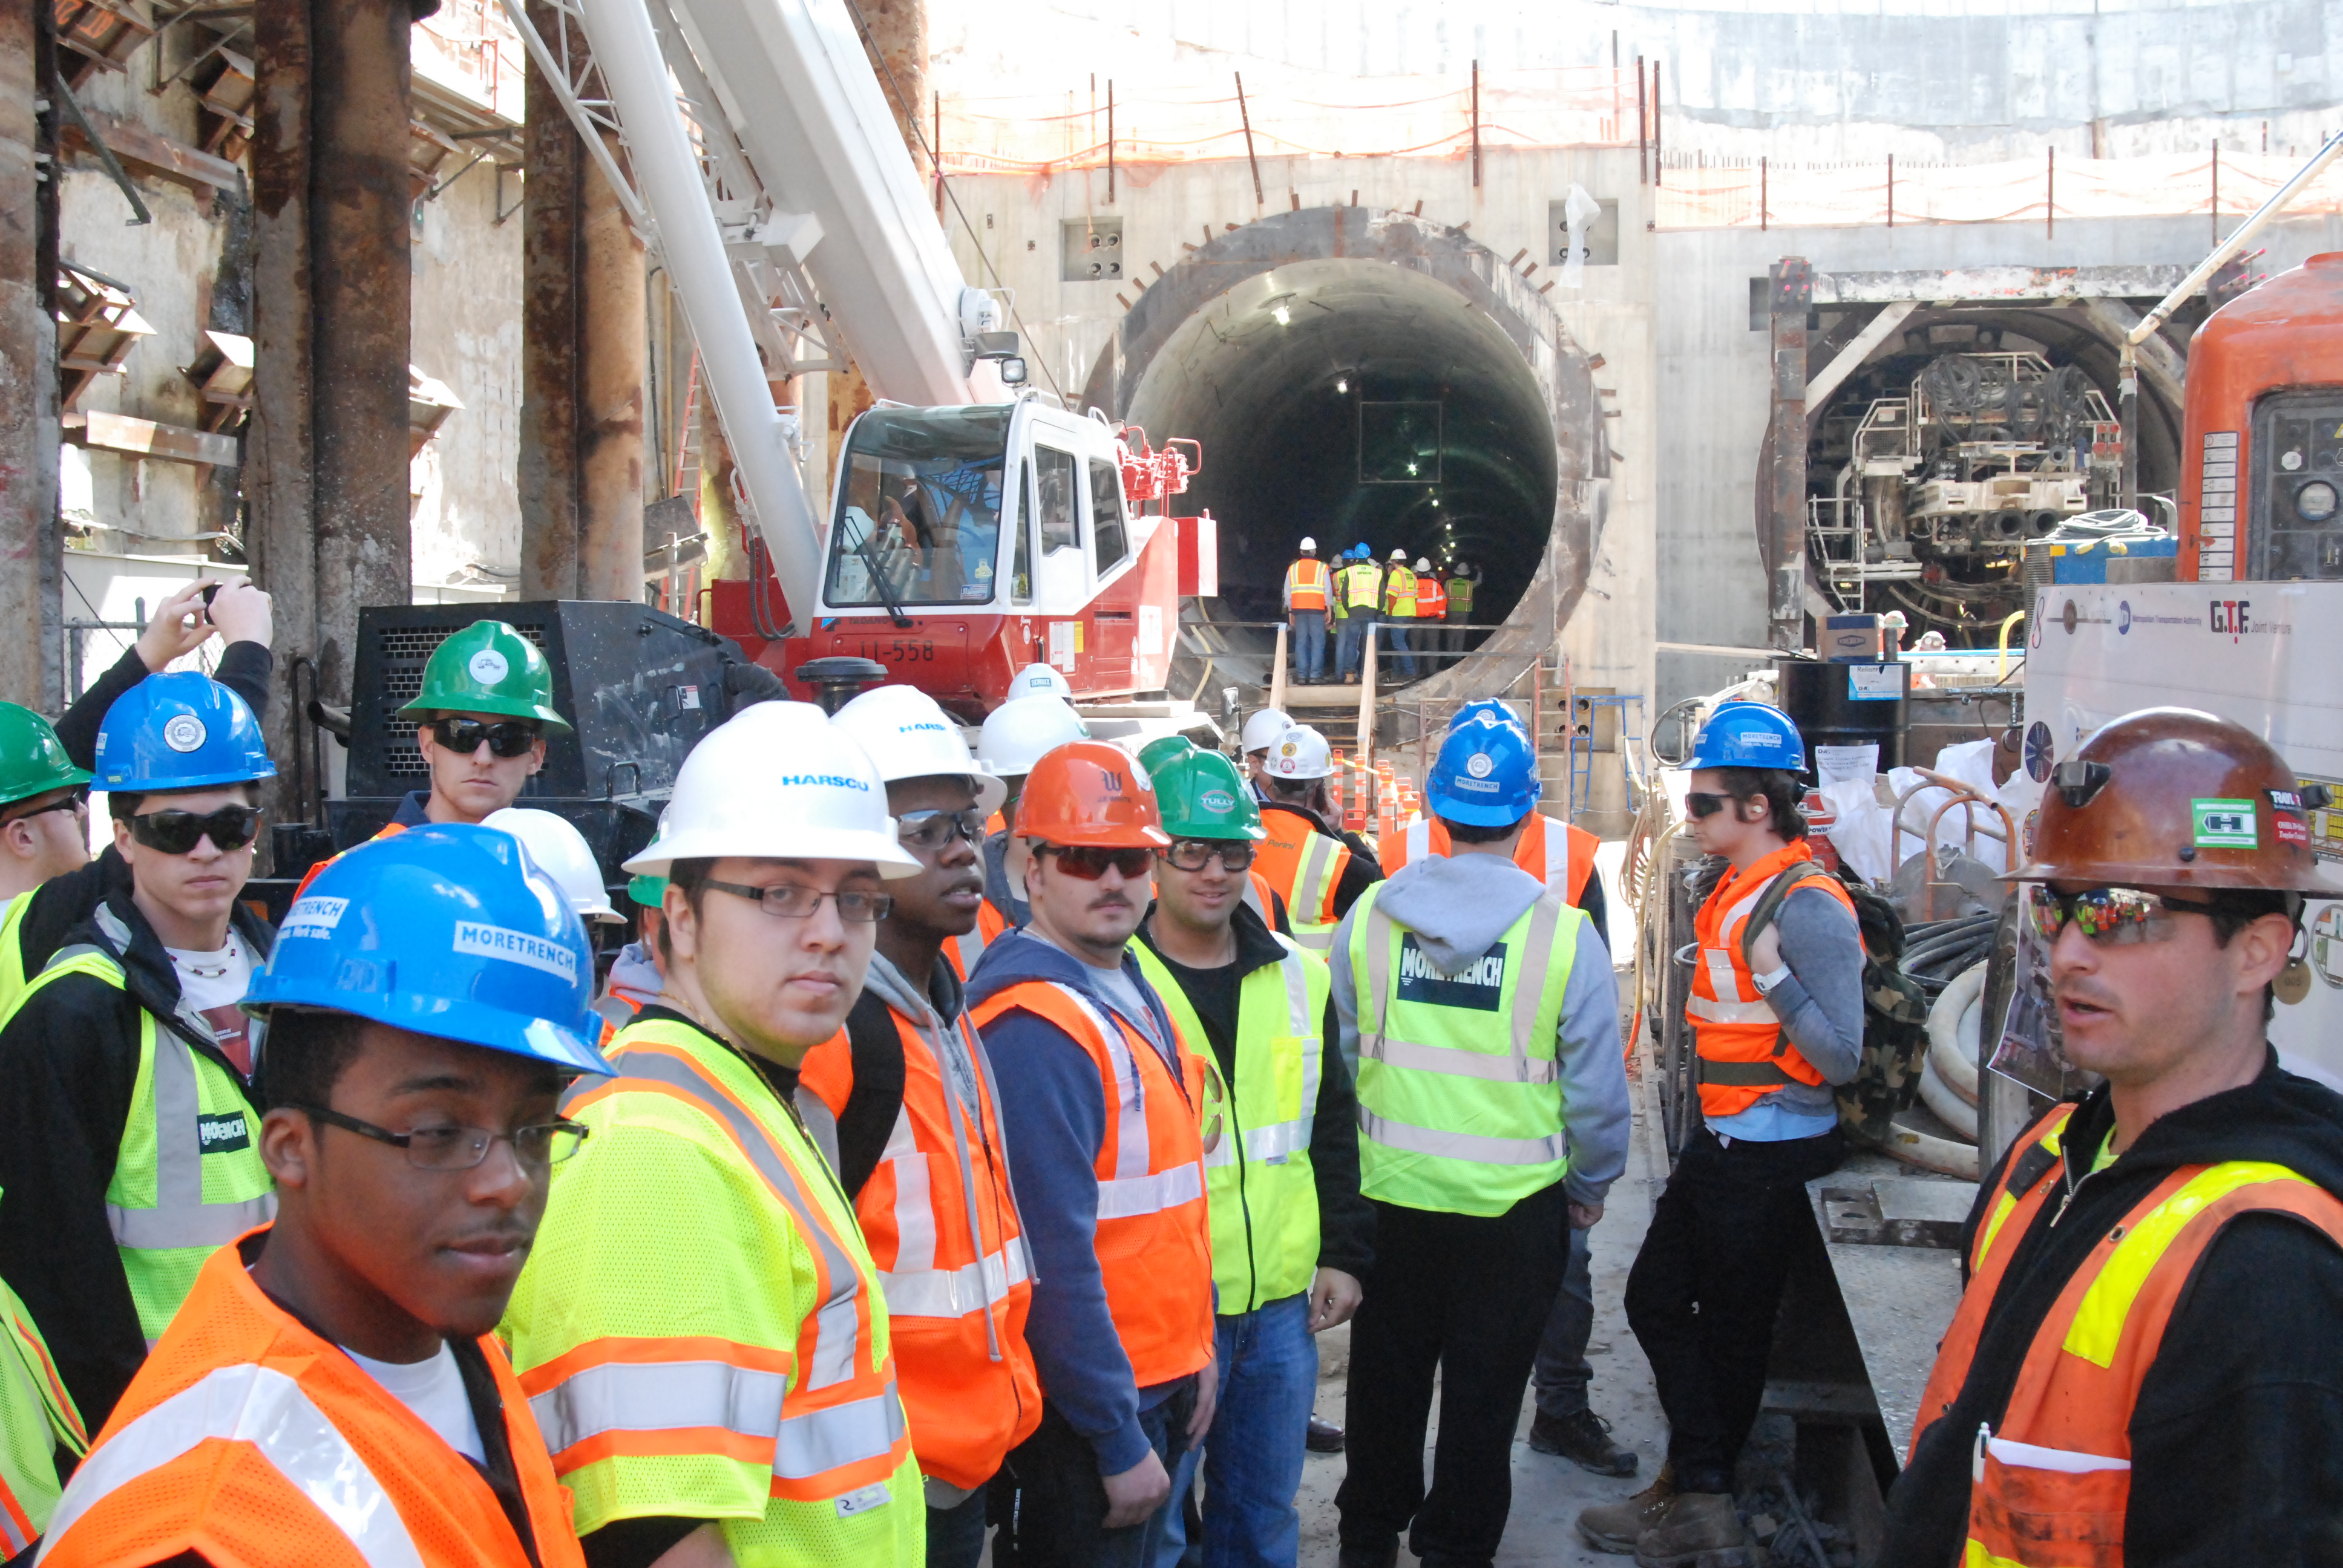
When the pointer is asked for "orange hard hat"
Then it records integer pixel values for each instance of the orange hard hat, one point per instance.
(1089, 792)
(2172, 798)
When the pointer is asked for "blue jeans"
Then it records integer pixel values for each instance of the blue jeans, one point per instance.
(1352, 642)
(1562, 1373)
(956, 1535)
(1252, 1455)
(1395, 637)
(1309, 643)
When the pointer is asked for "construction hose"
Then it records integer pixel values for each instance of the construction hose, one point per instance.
(1930, 1152)
(1952, 1037)
(1949, 1108)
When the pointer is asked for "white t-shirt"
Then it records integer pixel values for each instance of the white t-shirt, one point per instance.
(434, 1390)
(213, 983)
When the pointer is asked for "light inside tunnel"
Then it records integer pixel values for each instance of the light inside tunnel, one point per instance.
(1272, 378)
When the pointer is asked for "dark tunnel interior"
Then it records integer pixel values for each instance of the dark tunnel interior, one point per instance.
(1271, 378)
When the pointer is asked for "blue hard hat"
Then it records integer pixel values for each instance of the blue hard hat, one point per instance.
(180, 731)
(1502, 711)
(1486, 776)
(1748, 735)
(449, 930)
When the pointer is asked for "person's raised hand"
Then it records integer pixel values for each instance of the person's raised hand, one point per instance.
(1333, 1297)
(177, 628)
(243, 614)
(1136, 1493)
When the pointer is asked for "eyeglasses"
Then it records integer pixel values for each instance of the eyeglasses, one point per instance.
(229, 828)
(1089, 862)
(790, 902)
(936, 830)
(506, 737)
(1699, 803)
(1195, 854)
(2116, 916)
(77, 802)
(537, 1146)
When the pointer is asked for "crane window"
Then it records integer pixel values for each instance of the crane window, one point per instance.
(1106, 514)
(1021, 570)
(1059, 530)
(919, 509)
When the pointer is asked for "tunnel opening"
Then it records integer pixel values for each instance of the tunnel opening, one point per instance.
(1353, 401)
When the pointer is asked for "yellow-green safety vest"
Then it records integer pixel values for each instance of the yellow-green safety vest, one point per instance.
(1360, 585)
(1460, 598)
(1460, 1100)
(13, 982)
(36, 1418)
(699, 1329)
(1258, 1188)
(188, 1178)
(1399, 594)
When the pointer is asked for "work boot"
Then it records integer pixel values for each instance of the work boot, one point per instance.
(1324, 1437)
(1583, 1437)
(1695, 1530)
(1617, 1526)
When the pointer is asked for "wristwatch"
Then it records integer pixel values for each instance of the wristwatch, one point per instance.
(1766, 982)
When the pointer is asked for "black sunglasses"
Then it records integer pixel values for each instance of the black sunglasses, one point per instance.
(1701, 803)
(935, 829)
(1195, 854)
(506, 737)
(1088, 862)
(177, 832)
(76, 802)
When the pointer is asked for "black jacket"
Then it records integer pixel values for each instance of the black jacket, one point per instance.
(2237, 1435)
(1363, 871)
(69, 1056)
(1346, 1222)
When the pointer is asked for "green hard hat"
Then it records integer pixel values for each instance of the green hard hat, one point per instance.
(33, 760)
(1162, 752)
(1203, 795)
(489, 667)
(648, 891)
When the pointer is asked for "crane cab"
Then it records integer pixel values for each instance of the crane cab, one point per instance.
(966, 542)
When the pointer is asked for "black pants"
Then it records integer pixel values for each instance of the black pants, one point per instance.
(1705, 1289)
(1466, 1297)
(1051, 1505)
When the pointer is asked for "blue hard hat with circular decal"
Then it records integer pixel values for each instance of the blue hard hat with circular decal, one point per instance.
(1503, 711)
(1486, 775)
(1748, 735)
(180, 731)
(450, 930)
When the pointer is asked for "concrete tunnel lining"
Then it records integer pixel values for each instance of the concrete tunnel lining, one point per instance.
(1411, 304)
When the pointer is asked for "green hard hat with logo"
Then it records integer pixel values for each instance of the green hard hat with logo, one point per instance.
(33, 760)
(1203, 795)
(488, 668)
(1163, 750)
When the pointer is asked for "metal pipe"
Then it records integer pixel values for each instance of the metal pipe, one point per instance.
(1476, 125)
(1245, 116)
(2221, 252)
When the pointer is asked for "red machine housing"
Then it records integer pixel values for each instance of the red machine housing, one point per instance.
(2262, 439)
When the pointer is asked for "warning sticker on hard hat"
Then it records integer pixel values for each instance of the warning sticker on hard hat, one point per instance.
(2223, 824)
(488, 667)
(487, 941)
(313, 917)
(184, 733)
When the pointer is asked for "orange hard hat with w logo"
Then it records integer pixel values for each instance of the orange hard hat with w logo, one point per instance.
(1089, 792)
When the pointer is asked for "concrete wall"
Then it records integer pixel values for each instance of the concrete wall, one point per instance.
(467, 333)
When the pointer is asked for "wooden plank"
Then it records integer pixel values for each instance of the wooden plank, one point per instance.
(146, 438)
(149, 152)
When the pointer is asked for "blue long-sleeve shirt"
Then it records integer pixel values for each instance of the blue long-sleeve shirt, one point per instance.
(1053, 1121)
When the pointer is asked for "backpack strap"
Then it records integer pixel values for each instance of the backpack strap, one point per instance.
(1769, 902)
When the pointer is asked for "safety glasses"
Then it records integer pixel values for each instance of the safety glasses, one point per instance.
(506, 737)
(932, 830)
(1213, 1115)
(1699, 803)
(2116, 916)
(1195, 854)
(1089, 862)
(77, 802)
(791, 902)
(464, 1148)
(177, 832)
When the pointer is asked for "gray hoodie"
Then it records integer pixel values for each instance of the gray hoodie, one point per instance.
(1458, 906)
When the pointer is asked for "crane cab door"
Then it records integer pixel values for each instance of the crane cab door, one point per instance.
(1076, 544)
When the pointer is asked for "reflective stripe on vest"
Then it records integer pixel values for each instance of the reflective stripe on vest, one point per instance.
(1305, 582)
(1399, 594)
(165, 1209)
(1305, 866)
(1745, 1054)
(13, 982)
(1460, 597)
(1461, 1117)
(36, 1419)
(1153, 1236)
(1430, 599)
(1258, 1179)
(1360, 584)
(1555, 853)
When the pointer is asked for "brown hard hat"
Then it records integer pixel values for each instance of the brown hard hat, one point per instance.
(2172, 798)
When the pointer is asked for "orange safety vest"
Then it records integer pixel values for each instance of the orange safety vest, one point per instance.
(1744, 1052)
(1154, 1236)
(941, 1225)
(247, 1439)
(309, 876)
(2050, 1488)
(1430, 599)
(1305, 867)
(1306, 579)
(1542, 853)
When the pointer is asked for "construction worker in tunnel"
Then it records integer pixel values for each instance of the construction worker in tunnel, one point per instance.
(1308, 603)
(333, 1391)
(1494, 1116)
(1429, 636)
(1399, 614)
(905, 1104)
(1777, 1012)
(724, 1391)
(1459, 582)
(1360, 586)
(2146, 1366)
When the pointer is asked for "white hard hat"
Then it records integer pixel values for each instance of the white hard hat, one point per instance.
(910, 736)
(561, 853)
(1399, 555)
(778, 781)
(1422, 564)
(1262, 728)
(1308, 545)
(1020, 730)
(1299, 753)
(1039, 679)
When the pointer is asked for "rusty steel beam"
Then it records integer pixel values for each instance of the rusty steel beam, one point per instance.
(1791, 289)
(554, 172)
(614, 350)
(29, 374)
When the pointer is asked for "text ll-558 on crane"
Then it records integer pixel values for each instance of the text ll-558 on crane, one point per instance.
(974, 528)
